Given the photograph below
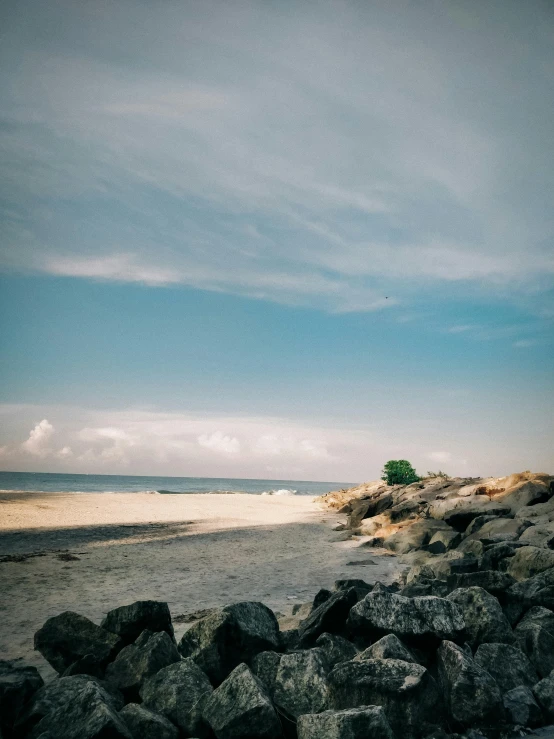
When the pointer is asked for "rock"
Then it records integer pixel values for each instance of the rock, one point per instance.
(88, 715)
(483, 616)
(490, 580)
(265, 666)
(446, 567)
(527, 493)
(529, 561)
(536, 591)
(539, 536)
(179, 692)
(460, 516)
(472, 695)
(301, 683)
(406, 691)
(471, 546)
(413, 536)
(367, 508)
(388, 647)
(477, 523)
(335, 649)
(330, 617)
(87, 665)
(57, 694)
(544, 693)
(443, 540)
(18, 683)
(507, 664)
(361, 587)
(137, 662)
(320, 597)
(499, 528)
(128, 622)
(406, 509)
(535, 637)
(425, 586)
(231, 635)
(241, 708)
(352, 723)
(66, 638)
(521, 707)
(495, 556)
(144, 724)
(418, 620)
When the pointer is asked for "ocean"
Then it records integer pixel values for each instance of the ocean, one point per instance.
(50, 482)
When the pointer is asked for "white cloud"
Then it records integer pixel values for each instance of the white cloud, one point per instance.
(441, 457)
(64, 453)
(37, 443)
(219, 442)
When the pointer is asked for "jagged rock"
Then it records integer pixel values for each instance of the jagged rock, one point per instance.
(443, 540)
(367, 508)
(529, 561)
(352, 723)
(128, 622)
(477, 523)
(490, 580)
(335, 649)
(289, 639)
(66, 638)
(87, 665)
(231, 635)
(89, 714)
(521, 707)
(361, 587)
(483, 615)
(18, 683)
(240, 707)
(425, 586)
(507, 664)
(330, 617)
(145, 724)
(420, 620)
(301, 683)
(406, 691)
(535, 636)
(405, 509)
(388, 647)
(544, 693)
(265, 666)
(59, 693)
(472, 695)
(536, 591)
(413, 536)
(179, 692)
(320, 597)
(139, 661)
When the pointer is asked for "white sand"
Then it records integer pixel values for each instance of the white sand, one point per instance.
(193, 551)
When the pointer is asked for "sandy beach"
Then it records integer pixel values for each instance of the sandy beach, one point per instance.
(98, 551)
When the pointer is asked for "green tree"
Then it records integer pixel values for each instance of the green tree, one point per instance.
(399, 472)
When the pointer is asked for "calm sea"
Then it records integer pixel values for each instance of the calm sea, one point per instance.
(52, 482)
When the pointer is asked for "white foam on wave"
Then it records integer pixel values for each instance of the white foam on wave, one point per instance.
(283, 491)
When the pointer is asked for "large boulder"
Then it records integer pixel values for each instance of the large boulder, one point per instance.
(406, 691)
(67, 637)
(443, 540)
(128, 622)
(388, 647)
(507, 664)
(544, 693)
(535, 637)
(521, 707)
(179, 692)
(240, 708)
(484, 619)
(352, 723)
(139, 661)
(459, 512)
(526, 493)
(414, 536)
(88, 715)
(500, 529)
(367, 508)
(301, 683)
(335, 649)
(536, 591)
(472, 695)
(417, 620)
(529, 561)
(145, 724)
(492, 581)
(539, 536)
(229, 636)
(329, 617)
(18, 683)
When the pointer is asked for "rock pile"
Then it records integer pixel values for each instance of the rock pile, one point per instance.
(461, 646)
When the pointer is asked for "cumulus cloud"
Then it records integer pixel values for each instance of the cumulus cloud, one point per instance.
(219, 442)
(37, 443)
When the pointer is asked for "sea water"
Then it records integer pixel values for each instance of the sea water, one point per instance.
(65, 483)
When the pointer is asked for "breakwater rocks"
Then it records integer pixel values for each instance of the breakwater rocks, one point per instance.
(461, 646)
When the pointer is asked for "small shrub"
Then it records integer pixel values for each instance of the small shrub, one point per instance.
(399, 472)
(440, 473)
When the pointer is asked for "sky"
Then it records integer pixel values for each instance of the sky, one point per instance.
(276, 240)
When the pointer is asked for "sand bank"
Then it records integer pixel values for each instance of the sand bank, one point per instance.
(99, 551)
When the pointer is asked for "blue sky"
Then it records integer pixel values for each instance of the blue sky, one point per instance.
(276, 239)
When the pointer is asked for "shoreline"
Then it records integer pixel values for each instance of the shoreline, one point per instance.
(94, 551)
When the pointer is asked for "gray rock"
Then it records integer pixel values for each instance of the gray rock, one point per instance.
(88, 715)
(414, 536)
(406, 509)
(460, 516)
(367, 508)
(490, 580)
(145, 724)
(240, 708)
(536, 591)
(301, 683)
(425, 586)
(483, 616)
(229, 636)
(521, 707)
(539, 536)
(419, 620)
(352, 723)
(535, 637)
(527, 493)
(335, 649)
(66, 638)
(179, 692)
(496, 556)
(320, 597)
(507, 664)
(330, 617)
(477, 523)
(265, 666)
(529, 561)
(18, 683)
(87, 665)
(471, 546)
(443, 540)
(137, 662)
(406, 691)
(499, 527)
(472, 695)
(361, 587)
(388, 647)
(544, 693)
(130, 621)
